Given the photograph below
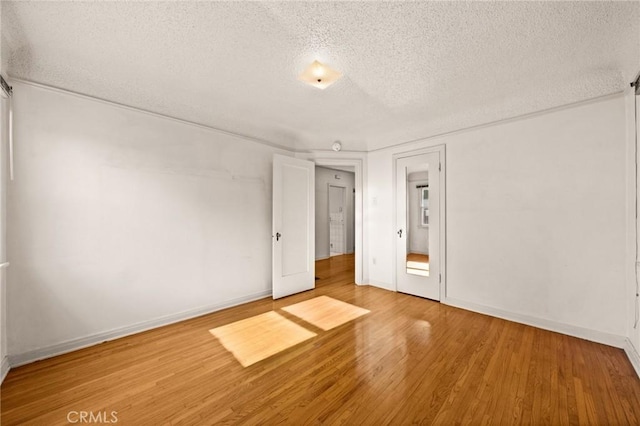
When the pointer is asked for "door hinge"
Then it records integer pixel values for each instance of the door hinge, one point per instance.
(439, 167)
(440, 278)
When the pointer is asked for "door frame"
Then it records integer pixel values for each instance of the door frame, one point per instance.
(358, 162)
(442, 211)
(344, 206)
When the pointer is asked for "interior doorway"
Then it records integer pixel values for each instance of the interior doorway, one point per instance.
(335, 222)
(356, 163)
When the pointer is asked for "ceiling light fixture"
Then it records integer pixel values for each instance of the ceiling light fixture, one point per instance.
(319, 75)
(337, 146)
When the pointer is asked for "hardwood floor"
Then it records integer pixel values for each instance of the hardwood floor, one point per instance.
(409, 360)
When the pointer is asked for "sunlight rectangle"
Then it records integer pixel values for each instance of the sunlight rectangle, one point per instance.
(254, 339)
(325, 312)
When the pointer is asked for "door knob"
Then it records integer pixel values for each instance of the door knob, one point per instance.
(400, 233)
(278, 236)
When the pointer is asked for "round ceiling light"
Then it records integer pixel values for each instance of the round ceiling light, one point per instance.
(337, 146)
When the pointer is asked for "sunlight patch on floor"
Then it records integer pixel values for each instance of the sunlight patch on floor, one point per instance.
(325, 312)
(254, 339)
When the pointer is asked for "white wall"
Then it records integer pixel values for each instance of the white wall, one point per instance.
(380, 218)
(118, 217)
(535, 217)
(324, 177)
(418, 235)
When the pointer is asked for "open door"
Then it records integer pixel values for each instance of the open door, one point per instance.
(293, 226)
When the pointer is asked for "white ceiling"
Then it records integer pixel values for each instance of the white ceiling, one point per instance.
(411, 69)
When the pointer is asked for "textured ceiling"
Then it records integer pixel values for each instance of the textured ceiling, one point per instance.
(411, 70)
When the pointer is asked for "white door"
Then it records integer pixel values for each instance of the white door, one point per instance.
(637, 301)
(337, 213)
(418, 202)
(293, 226)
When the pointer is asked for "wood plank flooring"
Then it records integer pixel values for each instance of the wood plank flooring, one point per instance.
(257, 338)
(408, 361)
(325, 312)
(417, 257)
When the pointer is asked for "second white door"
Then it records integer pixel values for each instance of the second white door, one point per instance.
(418, 243)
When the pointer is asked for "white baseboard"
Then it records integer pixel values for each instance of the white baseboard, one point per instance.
(83, 342)
(633, 355)
(4, 368)
(322, 258)
(365, 281)
(382, 285)
(609, 339)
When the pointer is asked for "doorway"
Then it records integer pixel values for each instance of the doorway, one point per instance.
(419, 200)
(334, 222)
(337, 221)
(294, 209)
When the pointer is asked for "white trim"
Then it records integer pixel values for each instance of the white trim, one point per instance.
(442, 150)
(324, 152)
(358, 162)
(152, 113)
(382, 285)
(631, 208)
(633, 355)
(322, 258)
(315, 152)
(4, 369)
(11, 150)
(84, 342)
(526, 116)
(615, 340)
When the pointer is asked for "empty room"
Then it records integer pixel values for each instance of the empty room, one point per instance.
(360, 213)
